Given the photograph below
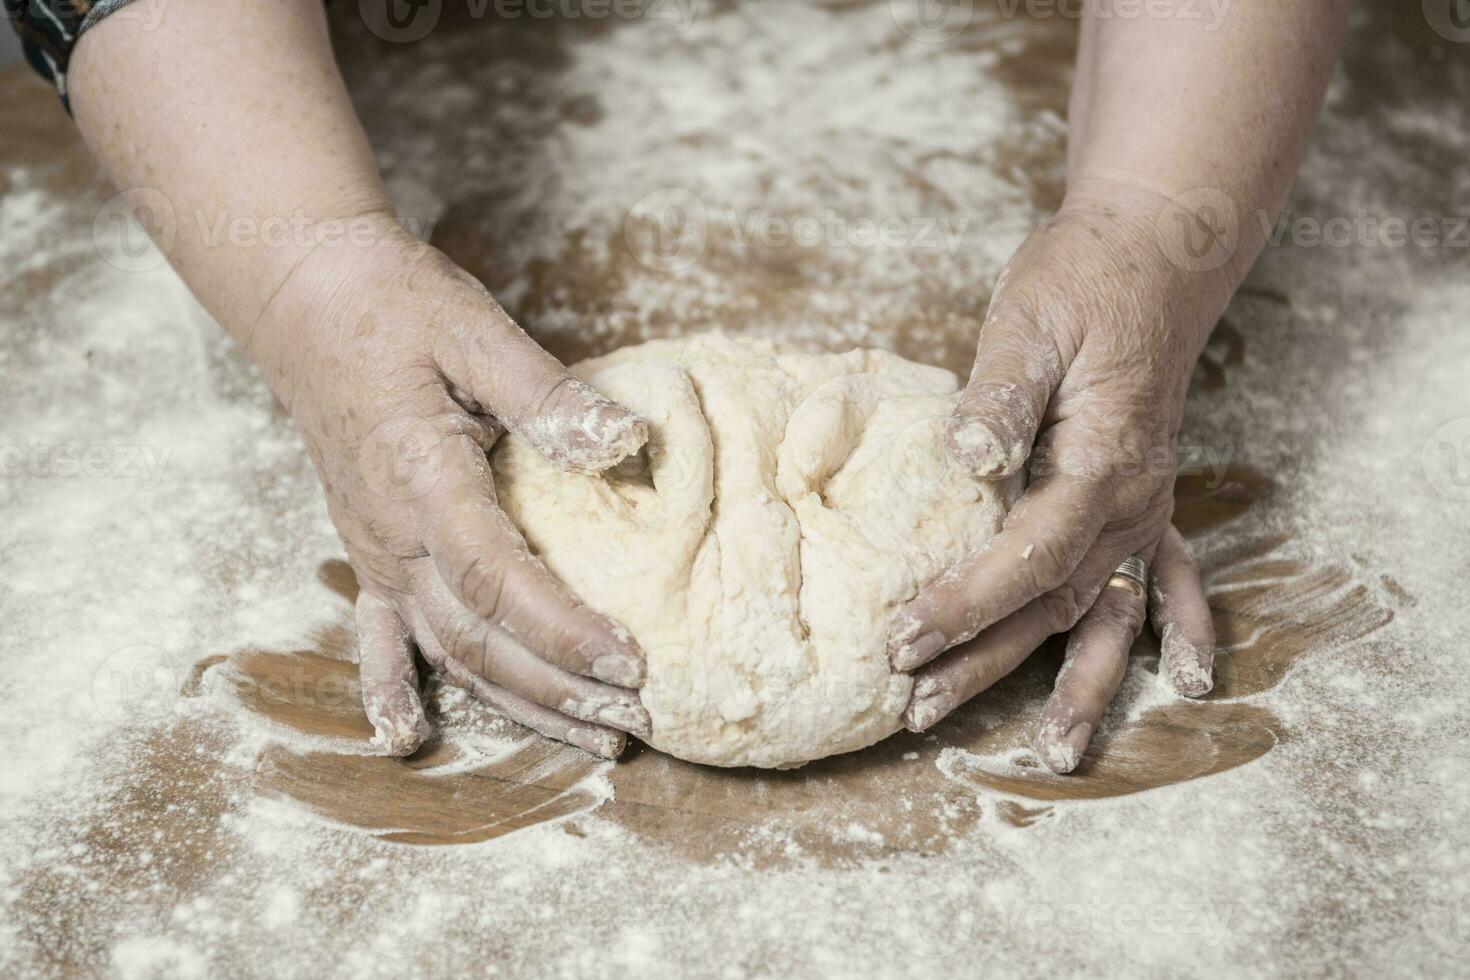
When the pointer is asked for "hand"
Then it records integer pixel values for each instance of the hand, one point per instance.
(1086, 353)
(402, 371)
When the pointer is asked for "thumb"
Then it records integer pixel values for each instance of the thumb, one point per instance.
(1017, 367)
(531, 393)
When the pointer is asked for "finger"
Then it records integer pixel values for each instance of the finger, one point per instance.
(388, 678)
(1096, 660)
(605, 743)
(969, 669)
(482, 557)
(1180, 615)
(1017, 367)
(495, 656)
(486, 354)
(963, 673)
(1044, 539)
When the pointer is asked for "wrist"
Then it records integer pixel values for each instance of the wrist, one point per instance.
(1197, 236)
(1183, 256)
(320, 283)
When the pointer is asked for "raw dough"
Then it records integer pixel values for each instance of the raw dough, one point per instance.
(785, 504)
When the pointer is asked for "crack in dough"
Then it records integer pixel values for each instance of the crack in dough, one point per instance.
(784, 505)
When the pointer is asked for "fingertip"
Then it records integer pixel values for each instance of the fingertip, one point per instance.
(910, 642)
(978, 444)
(586, 431)
(930, 703)
(610, 653)
(400, 731)
(1061, 747)
(915, 653)
(601, 742)
(620, 669)
(632, 718)
(1188, 666)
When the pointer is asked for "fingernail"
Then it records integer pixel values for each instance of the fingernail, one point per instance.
(926, 687)
(396, 740)
(621, 669)
(1062, 753)
(918, 652)
(598, 741)
(398, 730)
(924, 712)
(631, 718)
(1190, 670)
(978, 446)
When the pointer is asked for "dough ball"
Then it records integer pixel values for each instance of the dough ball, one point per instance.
(785, 504)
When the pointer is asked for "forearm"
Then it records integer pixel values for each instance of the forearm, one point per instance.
(1166, 104)
(236, 114)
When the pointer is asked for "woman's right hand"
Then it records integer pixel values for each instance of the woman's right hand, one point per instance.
(402, 371)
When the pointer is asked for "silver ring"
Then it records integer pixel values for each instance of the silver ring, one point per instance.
(1131, 576)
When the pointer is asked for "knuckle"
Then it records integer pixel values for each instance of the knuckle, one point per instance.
(1060, 609)
(1048, 565)
(560, 394)
(978, 675)
(481, 583)
(558, 639)
(1123, 617)
(467, 644)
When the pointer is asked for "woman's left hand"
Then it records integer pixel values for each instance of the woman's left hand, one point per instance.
(1083, 363)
